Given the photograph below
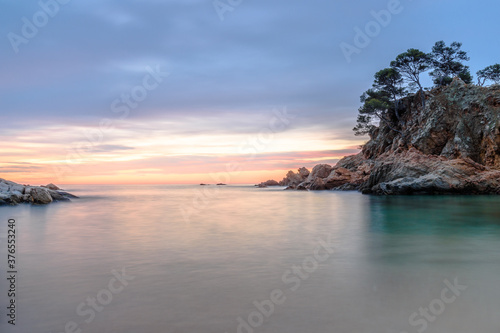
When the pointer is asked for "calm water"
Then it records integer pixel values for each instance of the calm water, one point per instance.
(206, 259)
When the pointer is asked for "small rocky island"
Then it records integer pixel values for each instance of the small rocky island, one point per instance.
(450, 146)
(12, 193)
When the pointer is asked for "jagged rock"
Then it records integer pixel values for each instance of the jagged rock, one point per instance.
(294, 179)
(319, 171)
(316, 178)
(451, 146)
(303, 172)
(318, 184)
(338, 177)
(415, 172)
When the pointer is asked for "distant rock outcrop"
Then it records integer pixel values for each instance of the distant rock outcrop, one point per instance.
(268, 183)
(12, 193)
(452, 146)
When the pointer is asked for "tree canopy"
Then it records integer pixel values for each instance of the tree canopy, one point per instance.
(447, 62)
(411, 64)
(390, 82)
(380, 104)
(491, 73)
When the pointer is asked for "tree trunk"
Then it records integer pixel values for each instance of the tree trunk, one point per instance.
(381, 117)
(396, 109)
(422, 95)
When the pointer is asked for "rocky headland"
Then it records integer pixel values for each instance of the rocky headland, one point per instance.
(452, 146)
(12, 193)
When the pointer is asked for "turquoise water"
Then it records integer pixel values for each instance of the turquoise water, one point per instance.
(241, 259)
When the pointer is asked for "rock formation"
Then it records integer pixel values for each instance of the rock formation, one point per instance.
(294, 179)
(451, 146)
(268, 183)
(12, 194)
(51, 187)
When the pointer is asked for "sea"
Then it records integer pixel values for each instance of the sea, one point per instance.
(236, 258)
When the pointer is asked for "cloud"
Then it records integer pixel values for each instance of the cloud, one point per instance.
(263, 54)
(14, 167)
(98, 51)
(226, 76)
(109, 148)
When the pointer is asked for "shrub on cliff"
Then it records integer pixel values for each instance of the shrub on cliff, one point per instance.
(491, 73)
(381, 103)
(376, 108)
(447, 62)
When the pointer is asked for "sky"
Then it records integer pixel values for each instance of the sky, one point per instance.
(191, 91)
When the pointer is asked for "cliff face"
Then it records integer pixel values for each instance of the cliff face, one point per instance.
(452, 146)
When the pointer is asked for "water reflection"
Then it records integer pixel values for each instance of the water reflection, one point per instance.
(391, 257)
(435, 214)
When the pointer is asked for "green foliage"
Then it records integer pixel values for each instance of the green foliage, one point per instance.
(390, 81)
(381, 103)
(411, 64)
(465, 76)
(364, 125)
(491, 73)
(377, 102)
(447, 62)
(376, 106)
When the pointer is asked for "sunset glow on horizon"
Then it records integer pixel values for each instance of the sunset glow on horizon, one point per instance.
(146, 153)
(129, 92)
